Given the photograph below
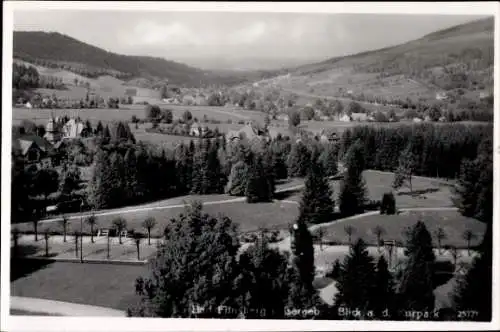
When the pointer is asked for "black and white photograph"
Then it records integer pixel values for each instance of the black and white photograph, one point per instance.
(262, 165)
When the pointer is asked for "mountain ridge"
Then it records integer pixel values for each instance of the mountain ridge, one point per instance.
(54, 49)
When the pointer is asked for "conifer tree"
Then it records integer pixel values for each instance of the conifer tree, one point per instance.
(201, 182)
(216, 177)
(328, 159)
(357, 280)
(117, 180)
(106, 135)
(384, 296)
(298, 160)
(302, 293)
(352, 191)
(416, 287)
(195, 267)
(130, 176)
(263, 281)
(238, 178)
(99, 188)
(258, 185)
(474, 290)
(99, 129)
(316, 205)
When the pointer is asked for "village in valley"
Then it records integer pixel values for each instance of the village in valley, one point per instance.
(354, 188)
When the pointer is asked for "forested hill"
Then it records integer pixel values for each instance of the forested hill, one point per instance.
(52, 49)
(468, 45)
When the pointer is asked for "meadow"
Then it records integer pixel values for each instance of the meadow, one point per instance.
(107, 285)
(431, 192)
(395, 226)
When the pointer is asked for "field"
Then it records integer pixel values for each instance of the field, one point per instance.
(395, 226)
(125, 113)
(329, 82)
(249, 217)
(432, 192)
(104, 285)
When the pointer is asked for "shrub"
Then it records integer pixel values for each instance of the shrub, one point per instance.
(388, 204)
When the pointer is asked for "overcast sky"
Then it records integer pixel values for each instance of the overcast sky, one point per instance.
(183, 35)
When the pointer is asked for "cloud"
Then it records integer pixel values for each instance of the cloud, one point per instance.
(153, 33)
(248, 35)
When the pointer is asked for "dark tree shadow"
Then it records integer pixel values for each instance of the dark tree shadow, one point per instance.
(21, 267)
(23, 250)
(286, 194)
(443, 272)
(415, 193)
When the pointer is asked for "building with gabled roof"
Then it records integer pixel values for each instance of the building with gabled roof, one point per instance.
(32, 147)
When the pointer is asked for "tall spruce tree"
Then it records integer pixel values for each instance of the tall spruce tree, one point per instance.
(130, 172)
(416, 287)
(383, 298)
(263, 285)
(474, 290)
(328, 159)
(216, 177)
(201, 183)
(259, 187)
(298, 160)
(184, 168)
(357, 280)
(99, 188)
(302, 293)
(316, 205)
(353, 191)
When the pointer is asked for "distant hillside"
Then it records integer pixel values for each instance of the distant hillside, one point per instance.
(56, 50)
(453, 59)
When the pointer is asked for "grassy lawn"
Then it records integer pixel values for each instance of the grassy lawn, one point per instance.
(434, 193)
(248, 216)
(452, 222)
(104, 285)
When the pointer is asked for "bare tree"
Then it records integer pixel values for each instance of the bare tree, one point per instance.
(378, 231)
(149, 224)
(15, 236)
(468, 236)
(46, 235)
(120, 224)
(76, 243)
(92, 221)
(440, 236)
(137, 239)
(455, 255)
(64, 223)
(321, 234)
(349, 230)
(35, 228)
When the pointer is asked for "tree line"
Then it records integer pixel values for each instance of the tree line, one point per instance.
(439, 149)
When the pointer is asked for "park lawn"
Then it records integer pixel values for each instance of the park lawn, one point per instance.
(249, 217)
(127, 251)
(435, 193)
(394, 226)
(107, 285)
